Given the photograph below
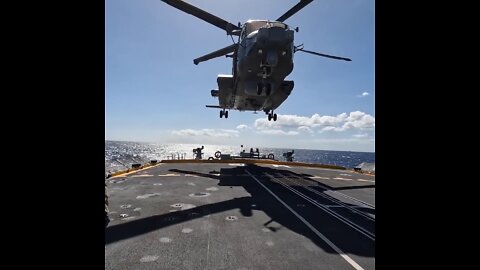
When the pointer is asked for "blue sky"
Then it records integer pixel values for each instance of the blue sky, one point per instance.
(154, 92)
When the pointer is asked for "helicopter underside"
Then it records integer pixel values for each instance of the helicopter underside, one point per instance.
(260, 96)
(250, 96)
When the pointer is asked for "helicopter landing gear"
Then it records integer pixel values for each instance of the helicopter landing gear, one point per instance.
(271, 116)
(223, 113)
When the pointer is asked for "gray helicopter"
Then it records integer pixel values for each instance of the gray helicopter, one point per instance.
(262, 59)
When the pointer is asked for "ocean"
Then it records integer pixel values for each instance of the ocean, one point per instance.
(121, 155)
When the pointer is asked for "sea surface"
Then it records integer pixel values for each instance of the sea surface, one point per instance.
(121, 155)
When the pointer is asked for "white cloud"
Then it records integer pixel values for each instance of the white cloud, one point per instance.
(364, 94)
(242, 127)
(305, 129)
(332, 129)
(361, 135)
(278, 132)
(295, 121)
(354, 120)
(206, 132)
(359, 120)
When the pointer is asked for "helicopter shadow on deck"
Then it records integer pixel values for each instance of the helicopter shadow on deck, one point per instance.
(315, 183)
(261, 200)
(322, 187)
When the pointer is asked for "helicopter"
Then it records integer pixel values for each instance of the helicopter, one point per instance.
(262, 58)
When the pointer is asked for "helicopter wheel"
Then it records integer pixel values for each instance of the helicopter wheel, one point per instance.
(221, 114)
(226, 114)
(275, 117)
(269, 117)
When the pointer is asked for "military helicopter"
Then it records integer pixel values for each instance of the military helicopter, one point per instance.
(262, 59)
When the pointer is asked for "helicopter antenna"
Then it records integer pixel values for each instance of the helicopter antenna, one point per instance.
(300, 48)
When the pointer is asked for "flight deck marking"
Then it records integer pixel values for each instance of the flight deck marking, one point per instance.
(149, 258)
(169, 174)
(340, 178)
(142, 175)
(315, 177)
(276, 166)
(165, 240)
(135, 171)
(187, 230)
(146, 196)
(319, 234)
(364, 180)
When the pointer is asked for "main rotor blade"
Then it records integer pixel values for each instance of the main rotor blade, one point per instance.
(294, 10)
(217, 53)
(325, 55)
(203, 15)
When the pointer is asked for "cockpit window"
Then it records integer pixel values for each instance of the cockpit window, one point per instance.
(255, 25)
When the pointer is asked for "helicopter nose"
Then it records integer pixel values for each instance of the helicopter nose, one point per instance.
(274, 36)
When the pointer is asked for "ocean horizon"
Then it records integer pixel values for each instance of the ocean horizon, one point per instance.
(120, 155)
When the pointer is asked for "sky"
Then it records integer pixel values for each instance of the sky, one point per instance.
(154, 92)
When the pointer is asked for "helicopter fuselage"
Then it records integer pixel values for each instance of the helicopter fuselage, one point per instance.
(261, 62)
(262, 59)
